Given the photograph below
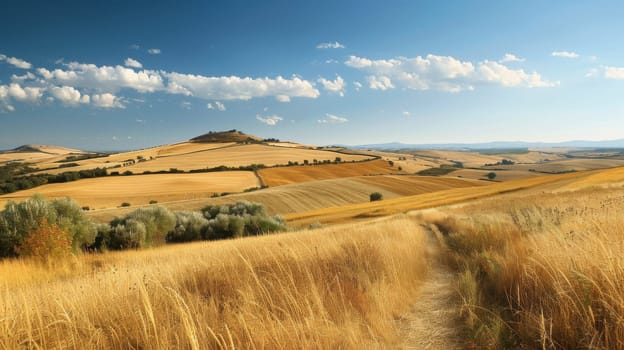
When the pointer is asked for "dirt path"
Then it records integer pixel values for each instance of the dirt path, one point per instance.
(433, 322)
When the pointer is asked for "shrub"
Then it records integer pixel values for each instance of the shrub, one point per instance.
(18, 220)
(376, 196)
(157, 221)
(153, 201)
(491, 175)
(239, 219)
(189, 226)
(46, 242)
(125, 204)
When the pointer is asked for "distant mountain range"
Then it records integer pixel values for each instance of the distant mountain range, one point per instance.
(495, 145)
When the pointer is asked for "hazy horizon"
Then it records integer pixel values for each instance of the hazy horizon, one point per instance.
(127, 76)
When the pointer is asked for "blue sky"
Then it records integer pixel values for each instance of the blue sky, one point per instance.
(115, 75)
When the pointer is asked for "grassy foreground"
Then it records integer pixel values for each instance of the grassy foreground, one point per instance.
(338, 287)
(543, 271)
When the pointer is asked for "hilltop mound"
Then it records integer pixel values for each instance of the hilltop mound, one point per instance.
(44, 149)
(225, 136)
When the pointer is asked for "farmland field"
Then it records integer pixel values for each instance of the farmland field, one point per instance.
(111, 191)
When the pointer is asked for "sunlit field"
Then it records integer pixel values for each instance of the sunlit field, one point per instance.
(339, 287)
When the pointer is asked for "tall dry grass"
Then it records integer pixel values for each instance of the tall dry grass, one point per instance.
(543, 271)
(339, 287)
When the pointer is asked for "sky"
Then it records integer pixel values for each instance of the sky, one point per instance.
(118, 75)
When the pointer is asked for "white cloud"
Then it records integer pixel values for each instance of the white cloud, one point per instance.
(26, 94)
(236, 88)
(511, 58)
(269, 120)
(4, 99)
(217, 105)
(132, 63)
(154, 51)
(186, 104)
(564, 54)
(331, 61)
(332, 119)
(379, 83)
(337, 86)
(497, 73)
(282, 98)
(69, 96)
(614, 72)
(135, 46)
(102, 85)
(330, 45)
(358, 85)
(105, 78)
(107, 101)
(22, 78)
(19, 63)
(406, 113)
(444, 73)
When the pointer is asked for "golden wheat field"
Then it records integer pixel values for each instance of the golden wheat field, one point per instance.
(315, 195)
(288, 175)
(238, 155)
(339, 287)
(111, 191)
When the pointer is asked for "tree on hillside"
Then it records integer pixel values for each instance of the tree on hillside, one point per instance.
(491, 175)
(376, 196)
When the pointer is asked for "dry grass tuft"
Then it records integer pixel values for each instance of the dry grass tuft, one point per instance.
(545, 271)
(338, 287)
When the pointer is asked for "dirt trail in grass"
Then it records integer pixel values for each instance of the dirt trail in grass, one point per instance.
(434, 321)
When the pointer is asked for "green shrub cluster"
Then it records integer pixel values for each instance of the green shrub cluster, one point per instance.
(143, 227)
(18, 220)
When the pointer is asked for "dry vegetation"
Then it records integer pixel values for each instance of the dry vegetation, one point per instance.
(340, 287)
(106, 192)
(288, 175)
(541, 271)
(315, 195)
(238, 155)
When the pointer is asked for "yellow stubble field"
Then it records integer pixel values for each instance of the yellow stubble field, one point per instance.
(106, 192)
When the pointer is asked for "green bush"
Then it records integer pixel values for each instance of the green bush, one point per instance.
(189, 226)
(239, 220)
(376, 196)
(17, 220)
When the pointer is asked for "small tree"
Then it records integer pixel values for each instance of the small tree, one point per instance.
(491, 175)
(376, 196)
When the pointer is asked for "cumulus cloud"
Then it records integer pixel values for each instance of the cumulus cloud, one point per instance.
(443, 73)
(154, 51)
(337, 86)
(380, 83)
(357, 85)
(107, 100)
(565, 54)
(332, 119)
(133, 63)
(17, 62)
(105, 78)
(78, 83)
(614, 72)
(69, 96)
(236, 88)
(271, 120)
(217, 105)
(25, 94)
(330, 45)
(511, 58)
(22, 78)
